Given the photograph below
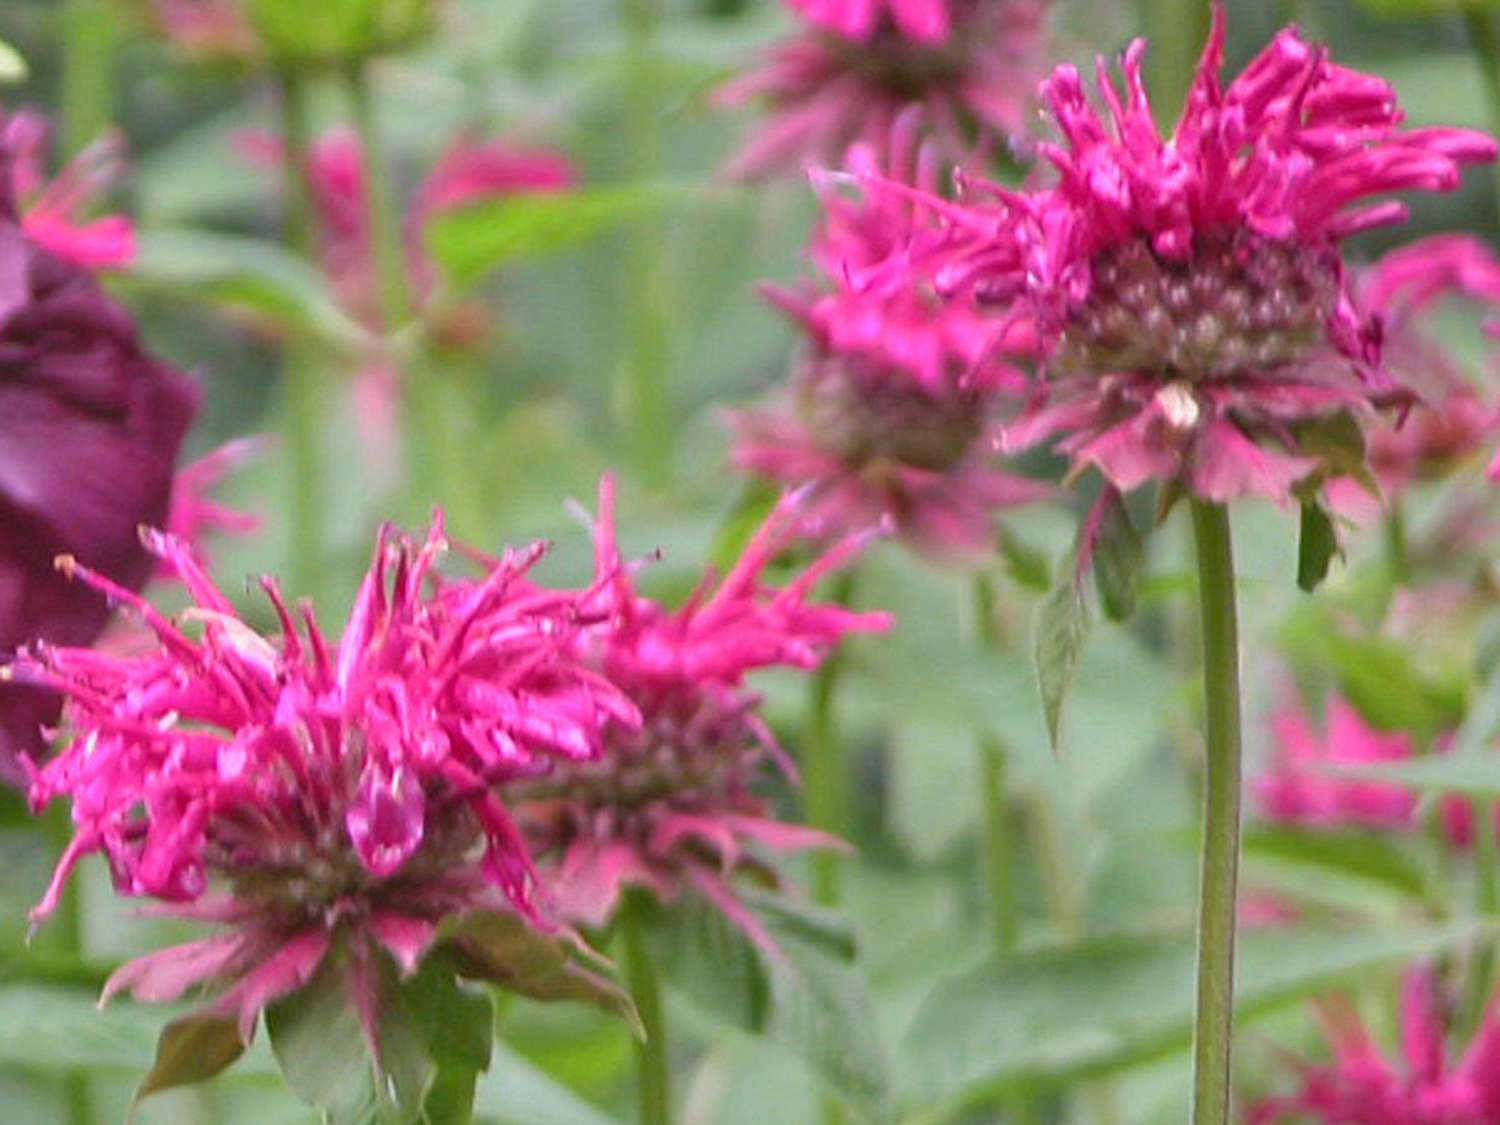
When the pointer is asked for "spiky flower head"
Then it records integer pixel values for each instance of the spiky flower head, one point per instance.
(895, 401)
(672, 806)
(314, 797)
(1191, 288)
(1361, 1086)
(967, 68)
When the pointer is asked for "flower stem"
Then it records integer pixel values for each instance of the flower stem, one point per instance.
(65, 931)
(88, 35)
(825, 780)
(1213, 1028)
(998, 838)
(1484, 37)
(653, 1082)
(305, 393)
(643, 389)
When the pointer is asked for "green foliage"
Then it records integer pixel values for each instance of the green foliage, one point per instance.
(1062, 627)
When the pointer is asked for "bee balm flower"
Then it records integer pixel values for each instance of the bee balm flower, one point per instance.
(671, 806)
(313, 798)
(1191, 288)
(969, 67)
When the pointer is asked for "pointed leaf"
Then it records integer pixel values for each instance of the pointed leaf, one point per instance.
(1027, 564)
(471, 240)
(192, 1049)
(1118, 555)
(504, 949)
(321, 1045)
(709, 958)
(1062, 627)
(1316, 546)
(456, 1025)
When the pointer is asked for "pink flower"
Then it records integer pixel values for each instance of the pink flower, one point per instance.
(194, 512)
(296, 792)
(52, 213)
(924, 21)
(969, 67)
(896, 401)
(1190, 289)
(671, 806)
(1362, 1087)
(213, 30)
(1299, 789)
(1454, 419)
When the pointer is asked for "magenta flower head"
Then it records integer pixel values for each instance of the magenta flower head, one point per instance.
(896, 400)
(330, 806)
(1190, 288)
(969, 68)
(90, 426)
(671, 806)
(1362, 1087)
(52, 212)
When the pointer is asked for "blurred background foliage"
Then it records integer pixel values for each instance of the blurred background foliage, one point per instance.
(623, 318)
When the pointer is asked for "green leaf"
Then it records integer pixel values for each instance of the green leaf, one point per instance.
(1119, 554)
(192, 1049)
(455, 1024)
(1027, 564)
(330, 31)
(1327, 860)
(504, 949)
(821, 1008)
(320, 1042)
(243, 273)
(1062, 627)
(471, 240)
(711, 961)
(1046, 1020)
(1316, 546)
(1475, 775)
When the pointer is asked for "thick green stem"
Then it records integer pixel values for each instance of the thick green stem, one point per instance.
(1213, 1028)
(825, 770)
(303, 374)
(1397, 556)
(999, 847)
(653, 1077)
(88, 40)
(642, 392)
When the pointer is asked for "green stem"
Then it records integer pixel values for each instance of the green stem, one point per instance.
(1213, 1028)
(999, 848)
(305, 393)
(66, 941)
(88, 36)
(653, 1078)
(1484, 38)
(825, 770)
(648, 352)
(1397, 556)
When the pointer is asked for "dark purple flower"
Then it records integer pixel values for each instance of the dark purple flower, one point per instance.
(90, 425)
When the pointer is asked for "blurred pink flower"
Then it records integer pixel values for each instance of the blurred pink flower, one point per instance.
(1190, 289)
(923, 21)
(194, 513)
(1362, 1087)
(1454, 418)
(895, 404)
(212, 30)
(1299, 789)
(301, 794)
(53, 213)
(671, 806)
(969, 67)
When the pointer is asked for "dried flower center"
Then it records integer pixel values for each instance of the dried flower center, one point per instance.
(865, 416)
(1241, 304)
